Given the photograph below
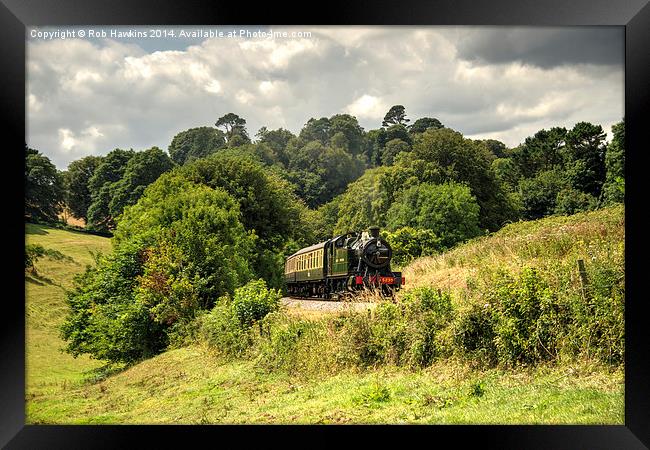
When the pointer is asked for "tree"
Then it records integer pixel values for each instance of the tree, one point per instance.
(322, 172)
(110, 170)
(44, 190)
(277, 140)
(539, 194)
(423, 124)
(141, 170)
(392, 149)
(234, 126)
(445, 155)
(374, 143)
(614, 187)
(497, 148)
(398, 131)
(77, 178)
(396, 115)
(571, 201)
(409, 243)
(544, 151)
(316, 130)
(585, 157)
(195, 143)
(268, 207)
(364, 202)
(449, 210)
(349, 128)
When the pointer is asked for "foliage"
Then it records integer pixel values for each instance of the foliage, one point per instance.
(395, 115)
(44, 189)
(262, 196)
(441, 155)
(254, 301)
(195, 143)
(392, 149)
(141, 170)
(585, 157)
(109, 171)
(539, 194)
(277, 140)
(221, 330)
(364, 202)
(235, 127)
(449, 210)
(497, 148)
(542, 152)
(177, 250)
(423, 124)
(409, 243)
(571, 201)
(322, 172)
(78, 196)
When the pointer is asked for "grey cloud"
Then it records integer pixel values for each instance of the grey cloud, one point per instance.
(544, 47)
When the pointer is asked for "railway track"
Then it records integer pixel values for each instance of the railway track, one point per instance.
(317, 304)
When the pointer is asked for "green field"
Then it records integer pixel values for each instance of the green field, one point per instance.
(190, 385)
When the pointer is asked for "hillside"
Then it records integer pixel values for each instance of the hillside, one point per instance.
(192, 385)
(546, 244)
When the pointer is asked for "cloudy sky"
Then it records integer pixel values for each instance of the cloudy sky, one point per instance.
(93, 94)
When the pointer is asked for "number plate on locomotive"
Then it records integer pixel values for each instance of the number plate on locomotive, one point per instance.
(386, 280)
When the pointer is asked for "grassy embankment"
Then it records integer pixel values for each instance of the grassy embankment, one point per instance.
(189, 385)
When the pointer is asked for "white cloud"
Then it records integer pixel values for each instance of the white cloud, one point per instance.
(367, 106)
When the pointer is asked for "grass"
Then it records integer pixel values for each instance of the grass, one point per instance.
(191, 385)
(542, 243)
(48, 369)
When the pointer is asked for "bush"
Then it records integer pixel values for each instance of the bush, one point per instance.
(221, 330)
(293, 345)
(407, 333)
(472, 333)
(527, 318)
(254, 301)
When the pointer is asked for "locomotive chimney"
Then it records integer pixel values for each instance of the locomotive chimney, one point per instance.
(374, 231)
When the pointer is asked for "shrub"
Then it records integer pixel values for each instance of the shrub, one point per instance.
(527, 318)
(429, 311)
(221, 330)
(293, 345)
(472, 333)
(254, 301)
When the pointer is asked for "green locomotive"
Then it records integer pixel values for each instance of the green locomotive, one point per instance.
(342, 265)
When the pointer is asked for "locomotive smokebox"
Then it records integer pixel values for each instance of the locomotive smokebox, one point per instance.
(374, 231)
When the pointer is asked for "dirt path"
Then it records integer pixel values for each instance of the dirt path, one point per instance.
(325, 305)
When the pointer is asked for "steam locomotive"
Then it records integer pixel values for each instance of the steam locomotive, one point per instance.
(343, 265)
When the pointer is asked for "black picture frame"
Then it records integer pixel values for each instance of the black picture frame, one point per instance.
(633, 15)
